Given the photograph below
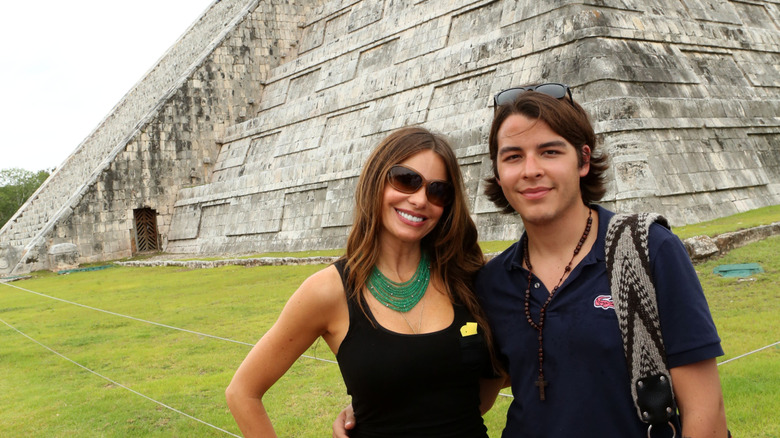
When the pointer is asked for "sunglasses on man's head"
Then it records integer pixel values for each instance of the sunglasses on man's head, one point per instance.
(558, 91)
(406, 180)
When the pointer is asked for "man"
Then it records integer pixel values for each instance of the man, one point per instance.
(548, 296)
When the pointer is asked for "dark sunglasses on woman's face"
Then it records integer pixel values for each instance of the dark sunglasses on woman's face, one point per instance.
(406, 180)
(558, 91)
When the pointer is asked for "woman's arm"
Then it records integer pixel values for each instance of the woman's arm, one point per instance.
(308, 314)
(488, 391)
(700, 399)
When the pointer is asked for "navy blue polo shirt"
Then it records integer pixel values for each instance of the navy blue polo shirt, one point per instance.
(588, 392)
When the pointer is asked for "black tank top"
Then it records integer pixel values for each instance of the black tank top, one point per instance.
(413, 386)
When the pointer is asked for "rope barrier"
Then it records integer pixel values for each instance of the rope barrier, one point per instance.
(749, 353)
(245, 343)
(117, 383)
(151, 322)
(251, 345)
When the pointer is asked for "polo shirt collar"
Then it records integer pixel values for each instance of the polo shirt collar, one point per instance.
(514, 254)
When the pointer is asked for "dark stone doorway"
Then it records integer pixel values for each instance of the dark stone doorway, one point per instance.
(146, 237)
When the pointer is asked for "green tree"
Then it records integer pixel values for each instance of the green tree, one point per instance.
(16, 186)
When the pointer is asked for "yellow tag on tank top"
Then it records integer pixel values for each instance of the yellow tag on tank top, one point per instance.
(469, 329)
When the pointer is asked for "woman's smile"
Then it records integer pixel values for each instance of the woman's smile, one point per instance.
(407, 216)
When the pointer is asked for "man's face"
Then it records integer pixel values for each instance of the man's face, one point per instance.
(538, 170)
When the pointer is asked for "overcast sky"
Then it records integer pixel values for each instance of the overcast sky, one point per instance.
(65, 64)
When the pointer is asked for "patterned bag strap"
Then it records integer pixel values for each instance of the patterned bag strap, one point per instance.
(633, 294)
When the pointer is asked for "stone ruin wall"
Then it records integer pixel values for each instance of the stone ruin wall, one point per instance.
(159, 138)
(685, 95)
(178, 146)
(686, 106)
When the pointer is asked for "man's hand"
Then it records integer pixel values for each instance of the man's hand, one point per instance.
(344, 422)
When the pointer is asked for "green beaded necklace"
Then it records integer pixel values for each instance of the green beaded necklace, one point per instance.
(401, 297)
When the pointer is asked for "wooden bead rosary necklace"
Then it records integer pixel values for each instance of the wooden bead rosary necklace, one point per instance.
(540, 382)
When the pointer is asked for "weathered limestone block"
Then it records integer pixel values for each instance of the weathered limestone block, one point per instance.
(729, 241)
(63, 256)
(9, 255)
(704, 247)
(701, 247)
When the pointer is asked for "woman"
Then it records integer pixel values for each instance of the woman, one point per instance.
(397, 310)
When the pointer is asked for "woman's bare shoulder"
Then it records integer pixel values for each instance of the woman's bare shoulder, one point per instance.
(325, 286)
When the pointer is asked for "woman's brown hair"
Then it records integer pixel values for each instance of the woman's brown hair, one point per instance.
(452, 245)
(569, 120)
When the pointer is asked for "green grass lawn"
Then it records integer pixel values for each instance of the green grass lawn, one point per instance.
(43, 394)
(741, 221)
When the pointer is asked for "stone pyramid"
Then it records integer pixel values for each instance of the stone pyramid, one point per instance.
(249, 134)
